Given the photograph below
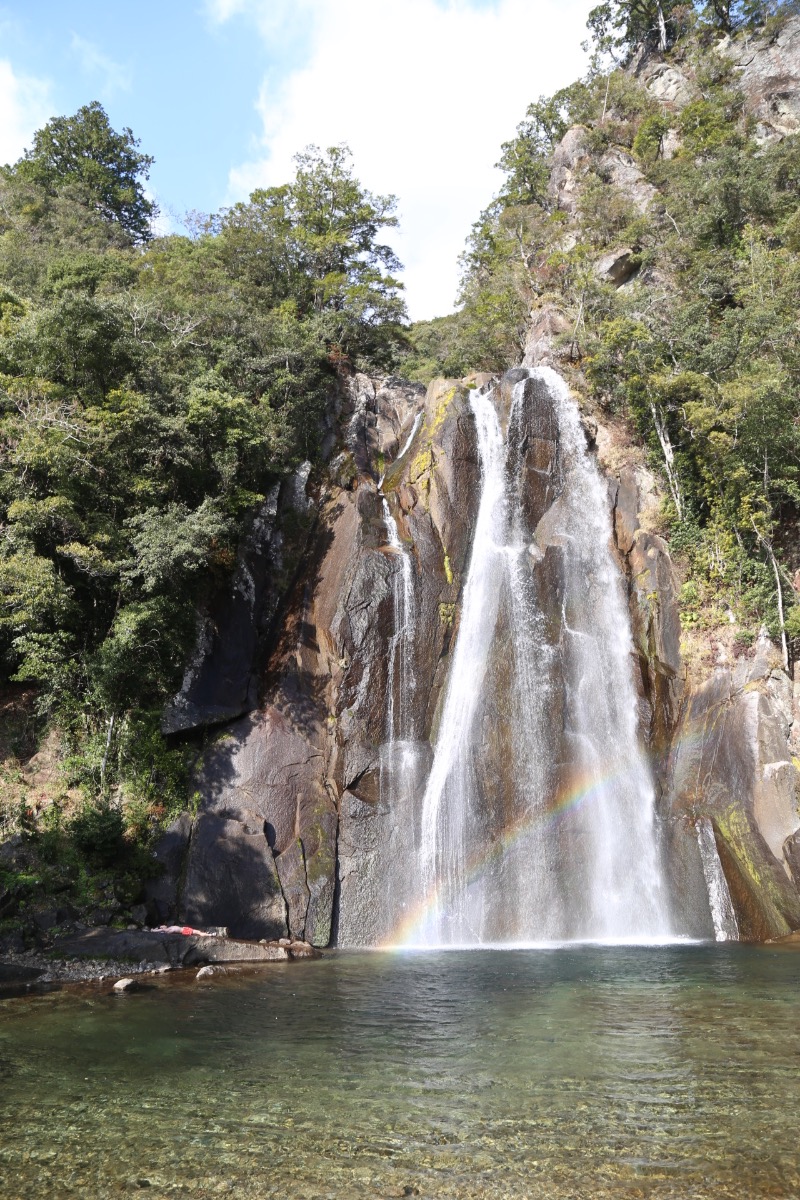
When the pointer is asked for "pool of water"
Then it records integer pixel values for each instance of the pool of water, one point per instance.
(582, 1072)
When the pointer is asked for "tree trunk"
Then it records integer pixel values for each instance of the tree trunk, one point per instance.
(662, 29)
(669, 460)
(776, 571)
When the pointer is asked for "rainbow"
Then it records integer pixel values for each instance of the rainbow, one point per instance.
(578, 793)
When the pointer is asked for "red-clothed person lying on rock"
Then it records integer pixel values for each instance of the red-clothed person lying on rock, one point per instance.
(186, 930)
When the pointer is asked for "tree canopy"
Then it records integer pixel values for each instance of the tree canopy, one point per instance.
(152, 391)
(102, 168)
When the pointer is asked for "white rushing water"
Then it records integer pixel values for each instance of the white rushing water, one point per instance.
(538, 819)
(400, 681)
(726, 927)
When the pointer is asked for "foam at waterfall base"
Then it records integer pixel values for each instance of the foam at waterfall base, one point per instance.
(549, 945)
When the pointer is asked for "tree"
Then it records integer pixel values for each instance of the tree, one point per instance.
(84, 154)
(315, 241)
(619, 25)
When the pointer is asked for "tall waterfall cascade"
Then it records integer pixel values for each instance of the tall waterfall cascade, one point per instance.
(537, 820)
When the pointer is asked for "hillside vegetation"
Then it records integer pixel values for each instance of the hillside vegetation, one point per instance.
(152, 389)
(699, 346)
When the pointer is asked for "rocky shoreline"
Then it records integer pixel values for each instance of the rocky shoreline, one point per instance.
(100, 955)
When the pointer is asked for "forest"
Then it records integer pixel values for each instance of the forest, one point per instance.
(152, 390)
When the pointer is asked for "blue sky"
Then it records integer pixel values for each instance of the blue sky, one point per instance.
(223, 92)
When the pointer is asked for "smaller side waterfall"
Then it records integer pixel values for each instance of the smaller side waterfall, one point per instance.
(413, 433)
(726, 928)
(400, 681)
(390, 831)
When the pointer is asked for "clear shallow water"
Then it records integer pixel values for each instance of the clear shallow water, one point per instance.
(582, 1072)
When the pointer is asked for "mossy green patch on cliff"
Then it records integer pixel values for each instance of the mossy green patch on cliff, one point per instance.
(447, 614)
(763, 908)
(423, 464)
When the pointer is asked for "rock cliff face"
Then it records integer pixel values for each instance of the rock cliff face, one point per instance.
(293, 677)
(295, 832)
(261, 854)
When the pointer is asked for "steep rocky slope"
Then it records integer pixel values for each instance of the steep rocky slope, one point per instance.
(292, 832)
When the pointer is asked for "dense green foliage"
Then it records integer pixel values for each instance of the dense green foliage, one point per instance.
(152, 389)
(700, 349)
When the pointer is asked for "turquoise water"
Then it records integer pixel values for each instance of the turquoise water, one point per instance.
(585, 1072)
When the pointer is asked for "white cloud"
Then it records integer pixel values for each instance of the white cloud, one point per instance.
(24, 108)
(114, 77)
(424, 92)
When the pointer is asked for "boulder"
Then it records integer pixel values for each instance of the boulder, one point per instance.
(128, 945)
(161, 892)
(231, 877)
(617, 266)
(546, 325)
(570, 159)
(231, 950)
(126, 985)
(620, 169)
(667, 83)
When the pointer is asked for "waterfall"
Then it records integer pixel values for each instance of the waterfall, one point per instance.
(412, 434)
(726, 928)
(538, 819)
(400, 681)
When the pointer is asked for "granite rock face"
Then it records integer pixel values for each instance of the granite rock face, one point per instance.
(653, 592)
(298, 831)
(220, 681)
(729, 762)
(161, 892)
(231, 878)
(667, 83)
(768, 70)
(262, 856)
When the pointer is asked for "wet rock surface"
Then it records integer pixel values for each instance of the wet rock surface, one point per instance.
(729, 762)
(294, 825)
